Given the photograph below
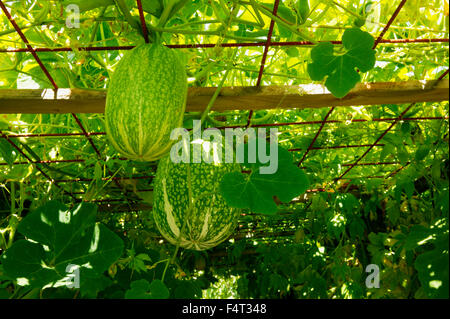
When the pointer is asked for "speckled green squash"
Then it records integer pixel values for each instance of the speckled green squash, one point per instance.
(210, 220)
(146, 100)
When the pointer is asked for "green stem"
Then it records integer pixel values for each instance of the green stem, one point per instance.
(17, 289)
(93, 36)
(202, 32)
(21, 199)
(13, 68)
(45, 80)
(184, 25)
(224, 6)
(166, 13)
(215, 95)
(32, 294)
(122, 6)
(94, 31)
(48, 167)
(265, 118)
(215, 122)
(270, 73)
(109, 180)
(267, 12)
(258, 16)
(159, 261)
(217, 13)
(238, 20)
(177, 7)
(346, 10)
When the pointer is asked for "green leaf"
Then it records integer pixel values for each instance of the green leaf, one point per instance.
(284, 12)
(303, 10)
(256, 191)
(142, 289)
(422, 152)
(406, 128)
(409, 188)
(89, 5)
(388, 149)
(16, 172)
(7, 151)
(347, 202)
(287, 14)
(292, 52)
(138, 262)
(8, 76)
(154, 7)
(187, 290)
(418, 235)
(393, 211)
(90, 287)
(239, 191)
(356, 228)
(359, 22)
(443, 202)
(376, 247)
(57, 74)
(436, 169)
(98, 173)
(278, 282)
(143, 257)
(432, 268)
(340, 70)
(57, 237)
(402, 154)
(106, 35)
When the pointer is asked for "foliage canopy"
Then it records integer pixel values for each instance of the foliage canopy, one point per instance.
(391, 209)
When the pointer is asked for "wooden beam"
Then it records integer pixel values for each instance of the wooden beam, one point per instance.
(233, 98)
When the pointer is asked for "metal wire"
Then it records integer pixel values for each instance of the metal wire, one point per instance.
(266, 50)
(224, 45)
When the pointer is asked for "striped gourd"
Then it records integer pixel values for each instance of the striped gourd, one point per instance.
(209, 220)
(146, 100)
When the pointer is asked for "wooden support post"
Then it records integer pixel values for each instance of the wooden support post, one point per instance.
(233, 98)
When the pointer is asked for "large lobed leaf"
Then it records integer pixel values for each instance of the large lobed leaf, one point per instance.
(432, 269)
(56, 237)
(142, 289)
(256, 191)
(340, 70)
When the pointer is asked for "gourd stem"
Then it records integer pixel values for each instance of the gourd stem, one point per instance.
(166, 14)
(126, 13)
(216, 94)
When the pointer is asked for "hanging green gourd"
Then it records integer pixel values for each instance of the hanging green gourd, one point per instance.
(146, 100)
